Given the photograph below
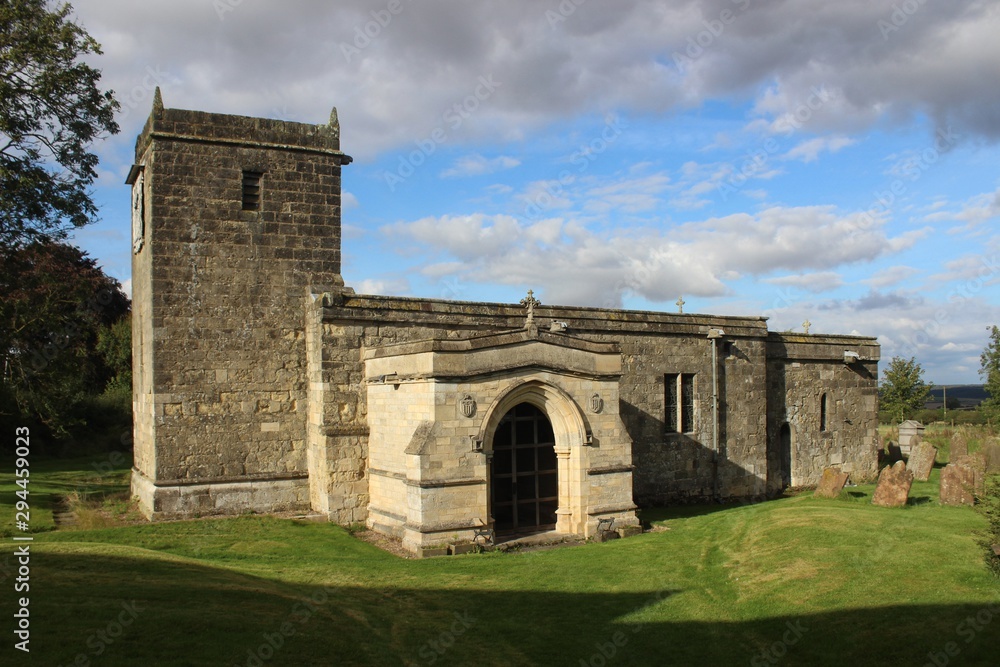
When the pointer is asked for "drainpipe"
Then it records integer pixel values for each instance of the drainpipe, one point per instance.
(714, 335)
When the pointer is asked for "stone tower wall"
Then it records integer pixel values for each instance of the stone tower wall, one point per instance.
(222, 385)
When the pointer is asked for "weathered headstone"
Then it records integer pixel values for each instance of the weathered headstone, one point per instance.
(992, 452)
(977, 462)
(922, 461)
(958, 484)
(831, 483)
(893, 486)
(959, 446)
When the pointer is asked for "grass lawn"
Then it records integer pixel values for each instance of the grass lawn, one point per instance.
(795, 581)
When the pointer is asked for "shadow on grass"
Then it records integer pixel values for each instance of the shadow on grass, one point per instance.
(169, 612)
(652, 514)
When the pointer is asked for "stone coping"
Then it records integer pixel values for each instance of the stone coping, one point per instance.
(475, 314)
(487, 341)
(204, 126)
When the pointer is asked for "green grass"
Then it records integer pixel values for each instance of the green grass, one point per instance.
(94, 478)
(842, 581)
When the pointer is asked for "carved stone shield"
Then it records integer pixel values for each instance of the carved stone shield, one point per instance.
(468, 405)
(596, 403)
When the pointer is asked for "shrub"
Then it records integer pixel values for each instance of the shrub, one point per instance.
(989, 505)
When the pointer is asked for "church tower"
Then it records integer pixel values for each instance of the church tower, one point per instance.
(235, 221)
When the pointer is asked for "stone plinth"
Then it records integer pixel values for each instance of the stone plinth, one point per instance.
(893, 486)
(910, 433)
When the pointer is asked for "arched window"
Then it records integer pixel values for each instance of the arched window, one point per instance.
(822, 412)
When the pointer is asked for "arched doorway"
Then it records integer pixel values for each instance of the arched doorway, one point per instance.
(524, 478)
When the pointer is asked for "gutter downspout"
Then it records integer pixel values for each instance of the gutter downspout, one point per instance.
(714, 335)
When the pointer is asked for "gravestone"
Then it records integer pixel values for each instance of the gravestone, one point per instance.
(893, 486)
(958, 484)
(895, 453)
(922, 461)
(977, 462)
(992, 452)
(831, 483)
(959, 446)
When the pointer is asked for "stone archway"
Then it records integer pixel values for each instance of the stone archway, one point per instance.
(568, 433)
(524, 482)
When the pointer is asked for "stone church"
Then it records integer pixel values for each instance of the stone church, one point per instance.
(262, 383)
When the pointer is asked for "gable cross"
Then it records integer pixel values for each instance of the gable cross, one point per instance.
(806, 325)
(680, 305)
(530, 302)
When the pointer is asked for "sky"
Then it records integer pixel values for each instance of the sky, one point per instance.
(805, 160)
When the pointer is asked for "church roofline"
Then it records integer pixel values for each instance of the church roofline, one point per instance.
(365, 307)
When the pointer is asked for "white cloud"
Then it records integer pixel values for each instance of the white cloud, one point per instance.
(477, 165)
(890, 276)
(824, 281)
(348, 200)
(974, 212)
(396, 286)
(945, 335)
(809, 150)
(970, 273)
(575, 265)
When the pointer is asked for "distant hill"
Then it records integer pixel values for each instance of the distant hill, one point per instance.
(969, 395)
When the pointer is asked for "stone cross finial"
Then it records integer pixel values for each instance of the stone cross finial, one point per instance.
(530, 302)
(680, 305)
(806, 325)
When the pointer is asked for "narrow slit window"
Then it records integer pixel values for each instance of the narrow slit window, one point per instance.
(251, 190)
(822, 412)
(670, 401)
(687, 401)
(678, 399)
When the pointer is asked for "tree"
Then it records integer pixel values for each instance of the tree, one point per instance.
(51, 109)
(114, 344)
(903, 390)
(55, 302)
(989, 370)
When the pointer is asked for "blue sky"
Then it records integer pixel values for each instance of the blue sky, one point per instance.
(804, 160)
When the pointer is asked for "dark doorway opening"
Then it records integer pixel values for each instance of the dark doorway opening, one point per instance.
(524, 481)
(786, 455)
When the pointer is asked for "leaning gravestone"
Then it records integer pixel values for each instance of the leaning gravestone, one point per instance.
(958, 484)
(831, 483)
(893, 486)
(922, 461)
